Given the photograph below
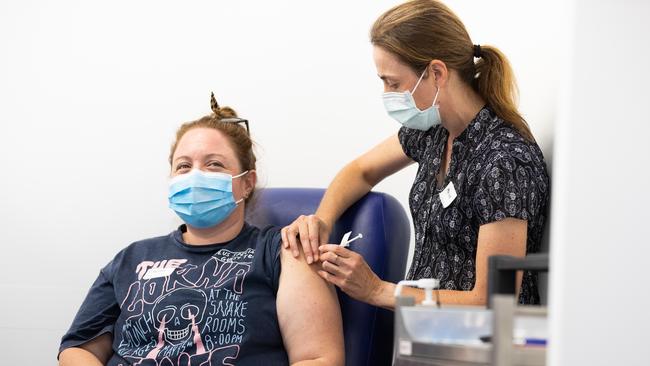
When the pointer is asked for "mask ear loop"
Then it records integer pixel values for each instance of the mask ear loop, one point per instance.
(418, 83)
(237, 176)
(240, 175)
(436, 97)
(420, 79)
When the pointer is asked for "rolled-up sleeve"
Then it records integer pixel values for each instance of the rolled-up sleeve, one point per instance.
(509, 187)
(96, 316)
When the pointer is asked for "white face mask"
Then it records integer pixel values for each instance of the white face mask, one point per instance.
(401, 106)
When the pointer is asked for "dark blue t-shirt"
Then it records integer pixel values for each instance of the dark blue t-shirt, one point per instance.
(169, 303)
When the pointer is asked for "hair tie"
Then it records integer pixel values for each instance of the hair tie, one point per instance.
(213, 103)
(477, 51)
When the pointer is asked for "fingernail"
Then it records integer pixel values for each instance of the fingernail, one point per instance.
(295, 253)
(310, 259)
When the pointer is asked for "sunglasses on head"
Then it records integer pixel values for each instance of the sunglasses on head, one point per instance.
(237, 120)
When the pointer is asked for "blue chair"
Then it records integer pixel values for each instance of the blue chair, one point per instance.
(368, 330)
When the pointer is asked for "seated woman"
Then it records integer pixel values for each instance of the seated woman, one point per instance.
(217, 291)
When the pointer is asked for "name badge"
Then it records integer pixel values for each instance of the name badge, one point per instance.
(448, 195)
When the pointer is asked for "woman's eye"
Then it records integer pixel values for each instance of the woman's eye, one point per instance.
(215, 164)
(183, 166)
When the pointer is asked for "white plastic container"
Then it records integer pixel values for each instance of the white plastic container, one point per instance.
(458, 325)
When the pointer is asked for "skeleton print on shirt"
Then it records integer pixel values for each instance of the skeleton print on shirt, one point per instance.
(193, 313)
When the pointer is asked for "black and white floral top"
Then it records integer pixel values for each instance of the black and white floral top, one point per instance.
(497, 174)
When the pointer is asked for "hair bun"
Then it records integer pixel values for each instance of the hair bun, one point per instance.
(213, 103)
(225, 112)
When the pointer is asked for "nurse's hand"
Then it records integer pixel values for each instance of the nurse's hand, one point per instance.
(312, 232)
(350, 272)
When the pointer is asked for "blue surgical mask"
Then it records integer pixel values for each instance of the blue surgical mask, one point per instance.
(401, 106)
(202, 199)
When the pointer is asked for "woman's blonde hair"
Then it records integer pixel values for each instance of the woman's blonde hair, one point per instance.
(420, 31)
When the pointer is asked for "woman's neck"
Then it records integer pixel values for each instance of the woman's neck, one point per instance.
(224, 232)
(462, 104)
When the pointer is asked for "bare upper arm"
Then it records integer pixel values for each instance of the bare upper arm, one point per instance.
(308, 313)
(505, 237)
(383, 160)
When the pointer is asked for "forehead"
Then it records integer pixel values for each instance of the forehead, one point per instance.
(387, 63)
(201, 141)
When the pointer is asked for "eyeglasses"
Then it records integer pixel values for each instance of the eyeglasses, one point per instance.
(237, 120)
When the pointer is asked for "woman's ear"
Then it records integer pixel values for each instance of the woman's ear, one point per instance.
(439, 70)
(249, 180)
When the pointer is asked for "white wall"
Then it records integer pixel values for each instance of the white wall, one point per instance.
(599, 297)
(92, 92)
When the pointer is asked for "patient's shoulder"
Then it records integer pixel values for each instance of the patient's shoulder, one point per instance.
(267, 242)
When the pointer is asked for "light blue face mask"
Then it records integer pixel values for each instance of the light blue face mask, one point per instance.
(401, 106)
(202, 199)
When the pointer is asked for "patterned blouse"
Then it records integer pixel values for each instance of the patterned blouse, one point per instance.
(497, 174)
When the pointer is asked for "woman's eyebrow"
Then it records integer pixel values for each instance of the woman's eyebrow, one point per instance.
(215, 155)
(386, 76)
(183, 157)
(208, 156)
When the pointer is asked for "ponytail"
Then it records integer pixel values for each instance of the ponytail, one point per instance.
(495, 83)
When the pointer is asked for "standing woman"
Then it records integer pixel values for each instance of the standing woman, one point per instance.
(481, 187)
